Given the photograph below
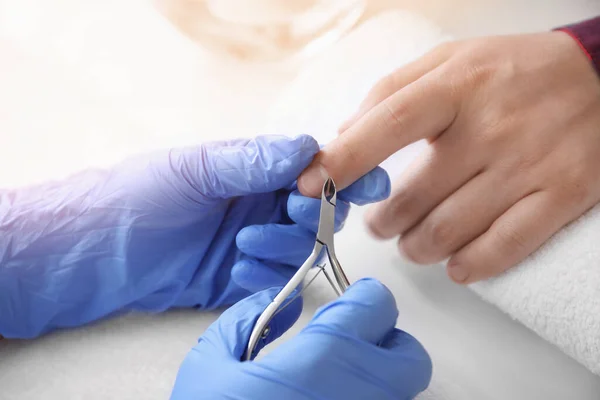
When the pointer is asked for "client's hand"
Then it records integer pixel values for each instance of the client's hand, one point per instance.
(514, 129)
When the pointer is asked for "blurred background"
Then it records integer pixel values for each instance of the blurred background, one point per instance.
(86, 82)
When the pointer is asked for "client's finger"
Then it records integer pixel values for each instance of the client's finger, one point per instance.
(511, 238)
(421, 110)
(397, 80)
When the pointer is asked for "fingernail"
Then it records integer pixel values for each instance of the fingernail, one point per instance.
(457, 273)
(311, 181)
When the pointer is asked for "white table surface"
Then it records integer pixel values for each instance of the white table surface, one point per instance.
(55, 84)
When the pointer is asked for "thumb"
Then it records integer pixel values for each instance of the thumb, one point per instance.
(242, 167)
(366, 311)
(229, 335)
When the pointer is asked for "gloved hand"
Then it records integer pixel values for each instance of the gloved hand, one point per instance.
(350, 350)
(160, 231)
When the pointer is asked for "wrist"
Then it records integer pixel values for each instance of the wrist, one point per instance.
(587, 35)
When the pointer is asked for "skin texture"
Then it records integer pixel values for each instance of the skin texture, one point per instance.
(513, 125)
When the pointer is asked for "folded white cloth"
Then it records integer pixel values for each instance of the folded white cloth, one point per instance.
(556, 291)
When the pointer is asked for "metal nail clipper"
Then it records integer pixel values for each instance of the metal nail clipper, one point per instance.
(324, 241)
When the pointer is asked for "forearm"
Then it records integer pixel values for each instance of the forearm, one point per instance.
(40, 222)
(99, 243)
(40, 240)
(587, 34)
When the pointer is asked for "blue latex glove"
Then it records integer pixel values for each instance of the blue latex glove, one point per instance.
(159, 231)
(350, 350)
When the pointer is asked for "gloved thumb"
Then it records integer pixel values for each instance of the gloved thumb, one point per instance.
(229, 335)
(241, 167)
(366, 311)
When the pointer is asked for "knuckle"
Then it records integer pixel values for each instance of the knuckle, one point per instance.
(573, 183)
(475, 74)
(510, 238)
(342, 155)
(399, 203)
(400, 210)
(392, 114)
(410, 251)
(445, 48)
(576, 181)
(574, 193)
(521, 165)
(496, 127)
(429, 243)
(397, 114)
(493, 122)
(524, 164)
(441, 234)
(467, 72)
(580, 193)
(350, 153)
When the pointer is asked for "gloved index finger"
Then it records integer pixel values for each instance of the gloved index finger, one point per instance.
(306, 211)
(373, 187)
(366, 311)
(259, 165)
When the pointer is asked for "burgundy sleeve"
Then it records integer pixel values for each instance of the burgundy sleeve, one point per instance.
(587, 34)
